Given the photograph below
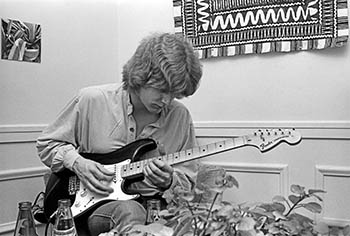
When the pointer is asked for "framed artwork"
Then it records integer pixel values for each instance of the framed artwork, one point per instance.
(20, 41)
(236, 27)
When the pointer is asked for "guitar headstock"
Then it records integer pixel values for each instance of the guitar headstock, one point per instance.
(266, 139)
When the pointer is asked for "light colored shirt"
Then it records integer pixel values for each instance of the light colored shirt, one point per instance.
(99, 120)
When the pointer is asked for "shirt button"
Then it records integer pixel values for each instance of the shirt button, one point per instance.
(132, 129)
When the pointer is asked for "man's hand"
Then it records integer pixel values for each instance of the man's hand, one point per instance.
(94, 176)
(159, 173)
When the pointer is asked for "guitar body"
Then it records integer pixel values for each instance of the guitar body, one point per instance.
(66, 185)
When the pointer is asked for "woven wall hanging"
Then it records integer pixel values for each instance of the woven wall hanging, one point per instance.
(235, 27)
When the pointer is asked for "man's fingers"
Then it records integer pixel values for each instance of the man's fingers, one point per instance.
(93, 187)
(154, 171)
(92, 175)
(104, 173)
(163, 166)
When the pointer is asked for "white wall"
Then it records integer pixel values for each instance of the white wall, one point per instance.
(86, 42)
(79, 48)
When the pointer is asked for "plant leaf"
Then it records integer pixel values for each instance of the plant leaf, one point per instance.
(294, 199)
(155, 229)
(225, 211)
(15, 50)
(312, 191)
(246, 224)
(187, 196)
(231, 181)
(297, 189)
(187, 227)
(278, 207)
(278, 215)
(346, 230)
(279, 198)
(314, 207)
(199, 191)
(316, 196)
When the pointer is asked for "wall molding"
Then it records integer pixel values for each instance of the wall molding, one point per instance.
(23, 173)
(9, 227)
(308, 129)
(20, 133)
(267, 168)
(23, 133)
(321, 172)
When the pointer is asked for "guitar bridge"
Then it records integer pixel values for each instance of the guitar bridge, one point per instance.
(73, 185)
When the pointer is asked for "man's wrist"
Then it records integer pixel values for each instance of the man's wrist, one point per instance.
(70, 158)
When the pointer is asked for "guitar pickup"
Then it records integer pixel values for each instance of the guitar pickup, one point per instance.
(73, 185)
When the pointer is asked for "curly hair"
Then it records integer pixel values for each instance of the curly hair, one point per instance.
(166, 62)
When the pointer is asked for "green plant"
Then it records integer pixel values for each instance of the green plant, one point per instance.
(188, 215)
(21, 40)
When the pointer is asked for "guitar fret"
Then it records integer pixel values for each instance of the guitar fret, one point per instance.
(182, 154)
(170, 158)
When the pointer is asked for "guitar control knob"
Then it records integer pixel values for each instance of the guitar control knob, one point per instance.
(77, 204)
(83, 193)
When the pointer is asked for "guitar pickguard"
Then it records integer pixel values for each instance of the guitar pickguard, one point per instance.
(85, 199)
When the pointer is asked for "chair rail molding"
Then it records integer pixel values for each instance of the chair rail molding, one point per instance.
(23, 173)
(22, 133)
(308, 129)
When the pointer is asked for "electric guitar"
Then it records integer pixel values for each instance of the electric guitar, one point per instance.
(127, 165)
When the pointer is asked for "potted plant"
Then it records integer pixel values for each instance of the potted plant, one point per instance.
(190, 213)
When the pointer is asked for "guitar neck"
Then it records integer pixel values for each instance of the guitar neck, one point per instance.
(135, 168)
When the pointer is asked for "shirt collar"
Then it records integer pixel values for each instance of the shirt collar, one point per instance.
(130, 108)
(127, 101)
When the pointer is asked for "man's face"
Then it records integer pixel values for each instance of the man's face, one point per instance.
(154, 99)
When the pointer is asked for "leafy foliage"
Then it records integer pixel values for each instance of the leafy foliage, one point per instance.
(188, 215)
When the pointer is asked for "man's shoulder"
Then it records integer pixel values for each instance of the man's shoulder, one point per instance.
(96, 91)
(178, 108)
(100, 88)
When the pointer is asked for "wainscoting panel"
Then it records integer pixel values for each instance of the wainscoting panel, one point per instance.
(336, 205)
(21, 172)
(16, 186)
(258, 182)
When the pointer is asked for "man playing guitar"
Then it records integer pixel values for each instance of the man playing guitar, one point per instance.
(105, 118)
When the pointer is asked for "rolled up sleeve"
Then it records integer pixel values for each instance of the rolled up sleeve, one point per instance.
(57, 145)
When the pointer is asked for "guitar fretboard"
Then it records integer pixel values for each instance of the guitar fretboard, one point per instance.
(135, 168)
